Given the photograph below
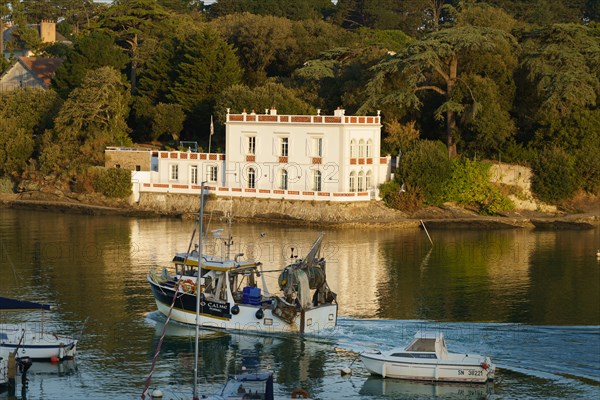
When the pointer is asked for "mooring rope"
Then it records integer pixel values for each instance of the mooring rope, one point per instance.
(164, 331)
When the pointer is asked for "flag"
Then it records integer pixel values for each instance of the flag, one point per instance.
(212, 126)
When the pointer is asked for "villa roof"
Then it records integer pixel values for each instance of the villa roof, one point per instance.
(43, 68)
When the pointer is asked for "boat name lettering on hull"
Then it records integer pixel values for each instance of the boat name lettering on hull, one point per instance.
(216, 309)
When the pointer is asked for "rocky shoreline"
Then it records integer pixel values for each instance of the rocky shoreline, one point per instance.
(373, 215)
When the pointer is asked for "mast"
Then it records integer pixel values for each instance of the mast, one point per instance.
(198, 291)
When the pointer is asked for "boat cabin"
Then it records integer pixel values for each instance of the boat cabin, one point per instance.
(257, 385)
(426, 345)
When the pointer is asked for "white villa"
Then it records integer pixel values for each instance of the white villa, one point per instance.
(294, 157)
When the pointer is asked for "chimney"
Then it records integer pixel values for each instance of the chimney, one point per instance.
(48, 31)
(339, 112)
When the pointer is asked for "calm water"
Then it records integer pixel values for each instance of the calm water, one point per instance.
(530, 300)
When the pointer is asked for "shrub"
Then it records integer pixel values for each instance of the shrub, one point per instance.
(428, 169)
(405, 198)
(6, 185)
(587, 163)
(470, 185)
(554, 175)
(113, 182)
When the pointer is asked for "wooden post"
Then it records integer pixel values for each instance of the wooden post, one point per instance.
(12, 368)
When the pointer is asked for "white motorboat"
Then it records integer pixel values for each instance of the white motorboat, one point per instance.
(3, 367)
(426, 358)
(25, 341)
(36, 344)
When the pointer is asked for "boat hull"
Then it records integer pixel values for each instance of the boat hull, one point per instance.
(249, 318)
(36, 345)
(3, 368)
(435, 370)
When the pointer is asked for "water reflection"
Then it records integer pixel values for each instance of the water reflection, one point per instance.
(396, 388)
(95, 267)
(295, 359)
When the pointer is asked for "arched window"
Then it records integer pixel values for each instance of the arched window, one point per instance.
(369, 148)
(361, 181)
(361, 148)
(283, 179)
(251, 178)
(353, 181)
(369, 180)
(317, 181)
(353, 148)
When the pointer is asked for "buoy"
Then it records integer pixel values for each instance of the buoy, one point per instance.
(54, 360)
(157, 394)
(346, 371)
(300, 393)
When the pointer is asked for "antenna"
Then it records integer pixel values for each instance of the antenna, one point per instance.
(229, 241)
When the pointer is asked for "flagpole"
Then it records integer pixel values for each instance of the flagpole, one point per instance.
(212, 131)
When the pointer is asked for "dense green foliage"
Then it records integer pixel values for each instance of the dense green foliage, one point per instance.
(470, 185)
(89, 52)
(93, 117)
(428, 168)
(16, 146)
(554, 175)
(461, 181)
(501, 79)
(112, 182)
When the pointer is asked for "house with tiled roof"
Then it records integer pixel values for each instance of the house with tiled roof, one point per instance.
(46, 30)
(29, 72)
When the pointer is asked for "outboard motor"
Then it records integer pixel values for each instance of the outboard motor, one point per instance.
(24, 363)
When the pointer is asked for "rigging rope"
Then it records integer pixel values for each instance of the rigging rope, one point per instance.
(164, 331)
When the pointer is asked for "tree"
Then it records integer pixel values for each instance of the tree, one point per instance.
(92, 118)
(436, 64)
(79, 13)
(89, 52)
(401, 137)
(428, 169)
(561, 65)
(182, 6)
(4, 13)
(38, 10)
(547, 12)
(241, 97)
(291, 9)
(485, 15)
(167, 119)
(206, 66)
(554, 177)
(16, 146)
(132, 21)
(33, 109)
(257, 40)
(413, 17)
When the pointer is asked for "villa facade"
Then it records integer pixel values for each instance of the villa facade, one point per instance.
(294, 157)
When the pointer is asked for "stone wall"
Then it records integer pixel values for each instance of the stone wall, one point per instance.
(305, 212)
(519, 176)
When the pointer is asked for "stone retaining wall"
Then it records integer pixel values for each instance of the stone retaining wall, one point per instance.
(271, 209)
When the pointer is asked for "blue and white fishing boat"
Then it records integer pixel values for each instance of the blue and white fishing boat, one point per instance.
(232, 294)
(27, 342)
